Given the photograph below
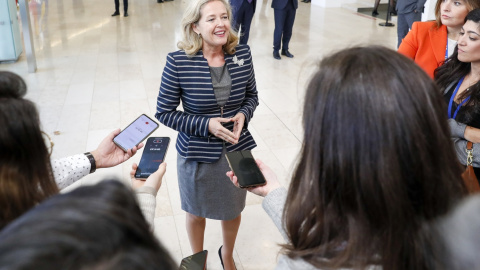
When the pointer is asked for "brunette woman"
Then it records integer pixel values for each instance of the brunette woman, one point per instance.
(459, 80)
(28, 176)
(375, 165)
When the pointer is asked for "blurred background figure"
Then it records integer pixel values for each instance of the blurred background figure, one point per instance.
(392, 8)
(284, 15)
(408, 11)
(243, 11)
(117, 8)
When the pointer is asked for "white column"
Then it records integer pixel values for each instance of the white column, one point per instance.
(429, 12)
(28, 36)
(331, 3)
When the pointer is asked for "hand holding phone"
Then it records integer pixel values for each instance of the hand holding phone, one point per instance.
(154, 153)
(154, 180)
(136, 132)
(245, 168)
(270, 177)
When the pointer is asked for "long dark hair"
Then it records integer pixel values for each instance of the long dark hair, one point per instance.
(25, 171)
(453, 70)
(376, 162)
(92, 227)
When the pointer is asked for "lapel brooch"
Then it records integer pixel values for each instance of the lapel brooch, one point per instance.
(238, 62)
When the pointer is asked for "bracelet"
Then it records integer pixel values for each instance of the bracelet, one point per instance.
(93, 165)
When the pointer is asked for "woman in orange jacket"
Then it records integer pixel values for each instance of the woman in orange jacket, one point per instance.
(430, 43)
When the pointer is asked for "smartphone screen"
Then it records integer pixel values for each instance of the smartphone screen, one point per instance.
(135, 133)
(197, 261)
(245, 169)
(154, 153)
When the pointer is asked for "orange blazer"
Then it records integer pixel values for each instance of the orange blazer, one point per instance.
(426, 45)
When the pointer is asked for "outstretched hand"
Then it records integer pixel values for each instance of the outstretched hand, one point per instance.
(154, 180)
(108, 154)
(270, 177)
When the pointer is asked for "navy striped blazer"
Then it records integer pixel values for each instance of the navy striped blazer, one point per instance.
(188, 79)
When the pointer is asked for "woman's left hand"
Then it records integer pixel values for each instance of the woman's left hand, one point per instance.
(239, 121)
(154, 180)
(270, 177)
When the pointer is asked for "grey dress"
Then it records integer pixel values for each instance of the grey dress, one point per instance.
(205, 190)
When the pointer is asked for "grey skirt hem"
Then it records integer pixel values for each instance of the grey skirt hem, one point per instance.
(206, 191)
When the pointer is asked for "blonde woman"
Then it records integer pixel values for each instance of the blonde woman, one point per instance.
(213, 76)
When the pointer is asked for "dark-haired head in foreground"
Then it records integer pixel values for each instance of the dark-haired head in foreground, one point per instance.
(25, 172)
(92, 227)
(376, 163)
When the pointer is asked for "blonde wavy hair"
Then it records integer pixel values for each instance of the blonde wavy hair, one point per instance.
(192, 42)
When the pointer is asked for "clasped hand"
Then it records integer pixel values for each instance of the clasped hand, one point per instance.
(216, 128)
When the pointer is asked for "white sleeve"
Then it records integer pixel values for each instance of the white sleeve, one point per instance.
(146, 197)
(67, 171)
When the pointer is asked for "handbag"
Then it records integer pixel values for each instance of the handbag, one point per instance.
(469, 177)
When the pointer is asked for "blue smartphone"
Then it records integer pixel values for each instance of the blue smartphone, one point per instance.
(136, 132)
(154, 153)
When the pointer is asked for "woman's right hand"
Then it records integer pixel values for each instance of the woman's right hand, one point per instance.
(270, 177)
(215, 127)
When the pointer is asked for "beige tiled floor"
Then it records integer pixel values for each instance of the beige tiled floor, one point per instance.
(97, 73)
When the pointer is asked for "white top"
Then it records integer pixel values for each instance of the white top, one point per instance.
(451, 43)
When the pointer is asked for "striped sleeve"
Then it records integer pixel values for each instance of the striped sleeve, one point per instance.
(168, 101)
(250, 101)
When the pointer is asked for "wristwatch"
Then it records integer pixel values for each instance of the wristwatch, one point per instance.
(93, 165)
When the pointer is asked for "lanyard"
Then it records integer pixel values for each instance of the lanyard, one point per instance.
(446, 51)
(451, 101)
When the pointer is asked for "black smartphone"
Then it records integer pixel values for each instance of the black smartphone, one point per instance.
(154, 153)
(197, 261)
(245, 169)
(136, 132)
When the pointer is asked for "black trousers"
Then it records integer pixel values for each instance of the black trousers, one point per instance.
(284, 19)
(243, 17)
(117, 5)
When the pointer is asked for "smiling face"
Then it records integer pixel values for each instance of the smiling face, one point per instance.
(213, 25)
(469, 43)
(453, 12)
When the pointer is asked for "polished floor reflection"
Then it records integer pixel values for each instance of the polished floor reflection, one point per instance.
(97, 73)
